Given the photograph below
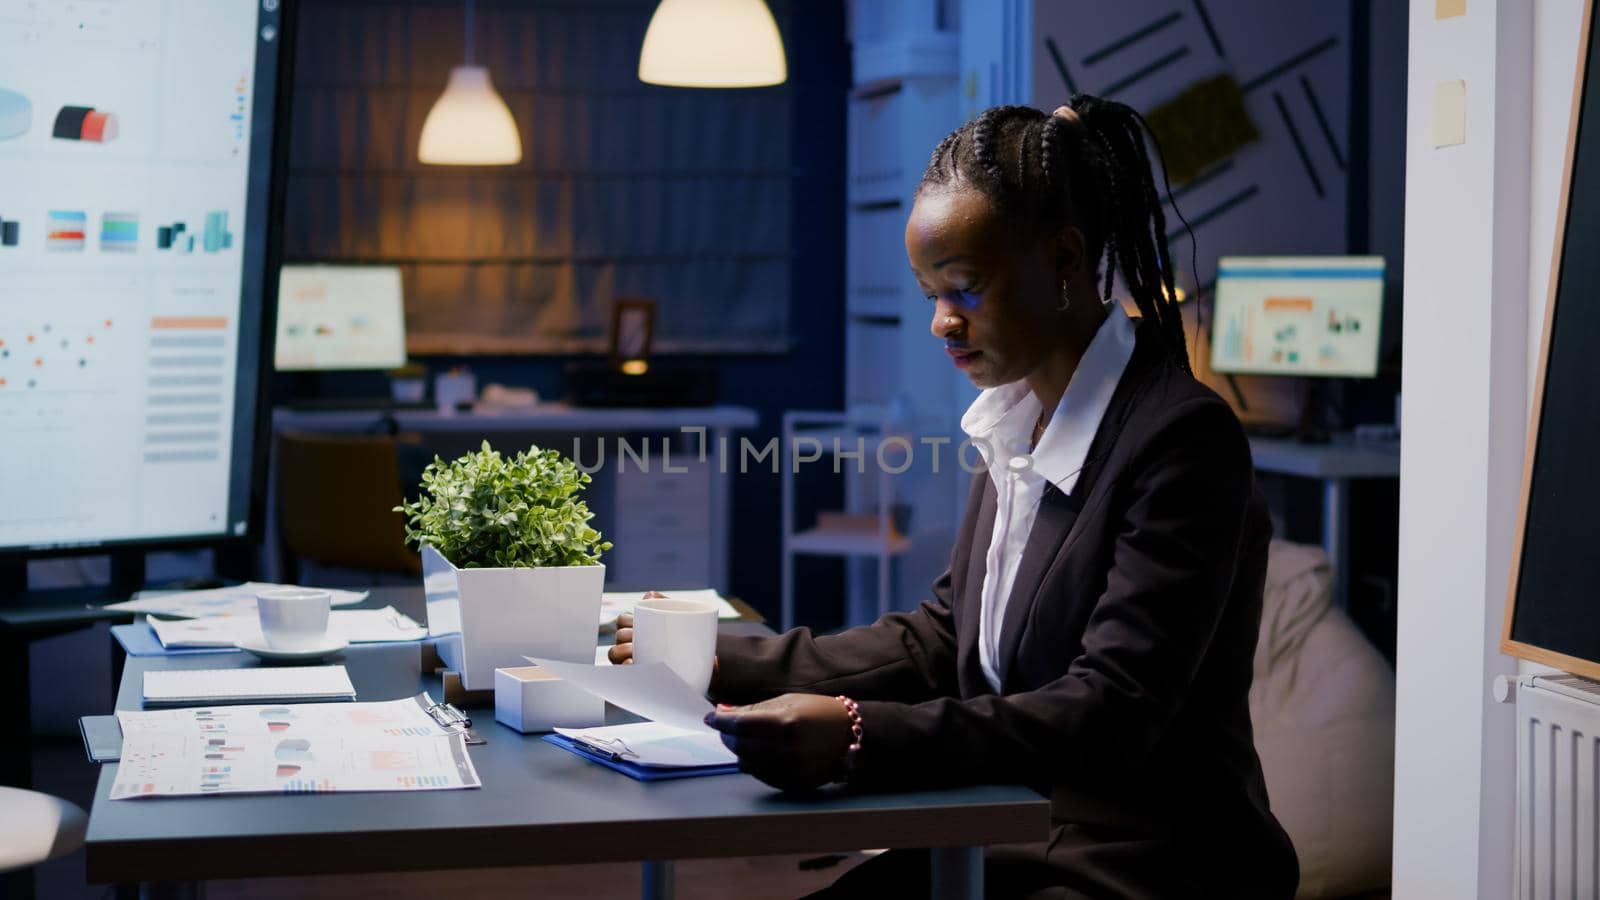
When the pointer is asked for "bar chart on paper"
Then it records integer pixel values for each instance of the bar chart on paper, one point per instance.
(294, 749)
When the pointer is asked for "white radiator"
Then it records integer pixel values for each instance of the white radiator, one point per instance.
(1558, 793)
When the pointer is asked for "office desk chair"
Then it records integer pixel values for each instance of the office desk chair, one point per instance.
(35, 828)
(336, 496)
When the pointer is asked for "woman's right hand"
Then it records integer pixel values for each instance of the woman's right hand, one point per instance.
(621, 653)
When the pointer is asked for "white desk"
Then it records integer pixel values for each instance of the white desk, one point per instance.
(1334, 464)
(719, 422)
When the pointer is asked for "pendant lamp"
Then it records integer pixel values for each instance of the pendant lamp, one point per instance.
(713, 44)
(469, 125)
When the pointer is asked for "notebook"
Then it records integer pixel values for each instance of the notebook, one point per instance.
(188, 687)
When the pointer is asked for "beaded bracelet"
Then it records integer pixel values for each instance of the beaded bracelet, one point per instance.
(853, 710)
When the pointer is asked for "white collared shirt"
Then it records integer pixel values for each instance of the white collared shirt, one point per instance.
(1000, 423)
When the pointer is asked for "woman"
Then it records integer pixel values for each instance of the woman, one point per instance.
(1094, 632)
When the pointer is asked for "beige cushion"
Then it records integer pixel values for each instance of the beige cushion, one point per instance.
(35, 827)
(1323, 710)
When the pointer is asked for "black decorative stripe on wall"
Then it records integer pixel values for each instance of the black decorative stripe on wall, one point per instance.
(1129, 40)
(1161, 63)
(1322, 46)
(1299, 145)
(877, 91)
(1061, 65)
(1197, 222)
(1208, 175)
(1211, 30)
(1322, 122)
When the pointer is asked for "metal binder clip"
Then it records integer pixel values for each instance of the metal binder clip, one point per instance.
(615, 748)
(448, 716)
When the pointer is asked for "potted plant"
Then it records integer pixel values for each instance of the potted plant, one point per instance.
(511, 566)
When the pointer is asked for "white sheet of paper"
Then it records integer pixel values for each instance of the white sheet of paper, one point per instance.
(314, 748)
(358, 626)
(230, 601)
(614, 602)
(653, 691)
(655, 744)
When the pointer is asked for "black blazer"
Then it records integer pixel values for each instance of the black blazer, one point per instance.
(1125, 657)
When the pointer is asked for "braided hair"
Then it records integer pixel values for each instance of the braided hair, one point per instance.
(1048, 172)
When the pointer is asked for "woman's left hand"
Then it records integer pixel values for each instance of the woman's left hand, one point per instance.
(794, 742)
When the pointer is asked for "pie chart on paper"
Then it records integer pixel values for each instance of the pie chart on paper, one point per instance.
(16, 114)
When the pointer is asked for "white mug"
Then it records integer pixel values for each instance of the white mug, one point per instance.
(294, 618)
(680, 633)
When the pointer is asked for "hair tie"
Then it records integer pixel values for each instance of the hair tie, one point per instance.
(1068, 114)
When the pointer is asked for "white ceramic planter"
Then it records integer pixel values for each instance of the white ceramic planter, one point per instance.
(487, 619)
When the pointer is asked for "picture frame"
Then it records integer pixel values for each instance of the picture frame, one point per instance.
(633, 321)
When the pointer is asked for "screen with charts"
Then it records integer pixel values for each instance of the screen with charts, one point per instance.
(136, 142)
(340, 317)
(1298, 315)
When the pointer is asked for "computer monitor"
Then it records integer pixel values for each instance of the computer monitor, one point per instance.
(340, 317)
(139, 143)
(1297, 315)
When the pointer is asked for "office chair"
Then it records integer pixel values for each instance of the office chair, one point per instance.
(336, 496)
(35, 828)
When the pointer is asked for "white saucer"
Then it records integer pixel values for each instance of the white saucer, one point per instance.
(259, 648)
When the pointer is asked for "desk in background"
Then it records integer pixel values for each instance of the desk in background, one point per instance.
(539, 805)
(670, 529)
(1335, 464)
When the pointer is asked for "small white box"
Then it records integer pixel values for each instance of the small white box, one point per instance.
(529, 698)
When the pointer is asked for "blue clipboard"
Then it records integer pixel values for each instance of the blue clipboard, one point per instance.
(634, 770)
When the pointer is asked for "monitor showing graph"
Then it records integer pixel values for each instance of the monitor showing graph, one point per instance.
(136, 150)
(1298, 315)
(340, 317)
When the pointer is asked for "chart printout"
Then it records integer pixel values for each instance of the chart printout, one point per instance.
(289, 749)
(125, 170)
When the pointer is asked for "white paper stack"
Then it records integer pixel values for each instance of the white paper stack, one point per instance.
(238, 600)
(613, 603)
(357, 626)
(677, 735)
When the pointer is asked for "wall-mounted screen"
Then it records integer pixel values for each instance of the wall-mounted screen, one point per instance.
(340, 317)
(136, 151)
(1298, 315)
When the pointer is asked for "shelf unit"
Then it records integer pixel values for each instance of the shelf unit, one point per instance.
(870, 533)
(904, 99)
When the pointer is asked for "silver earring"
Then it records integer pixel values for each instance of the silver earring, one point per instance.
(1065, 300)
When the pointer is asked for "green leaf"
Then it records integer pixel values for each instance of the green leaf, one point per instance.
(486, 509)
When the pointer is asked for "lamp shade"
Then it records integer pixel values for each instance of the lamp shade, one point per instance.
(713, 43)
(469, 124)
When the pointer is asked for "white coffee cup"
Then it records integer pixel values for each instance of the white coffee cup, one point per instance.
(680, 633)
(294, 618)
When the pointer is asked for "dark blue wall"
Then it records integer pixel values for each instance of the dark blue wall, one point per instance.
(811, 374)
